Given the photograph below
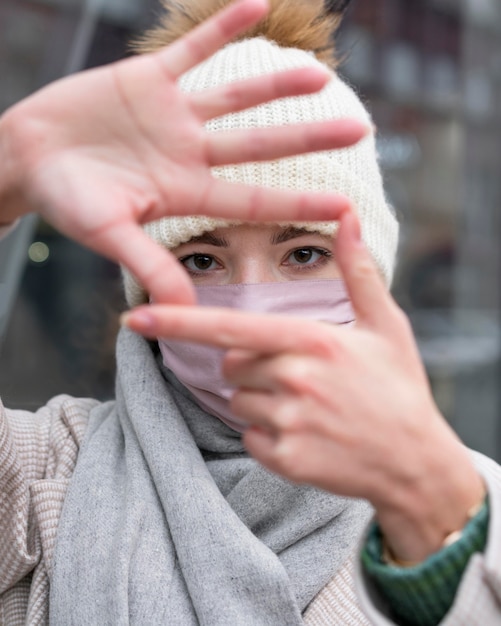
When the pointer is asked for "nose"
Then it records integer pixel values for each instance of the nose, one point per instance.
(254, 269)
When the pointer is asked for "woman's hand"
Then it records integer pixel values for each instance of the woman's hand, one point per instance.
(346, 409)
(100, 153)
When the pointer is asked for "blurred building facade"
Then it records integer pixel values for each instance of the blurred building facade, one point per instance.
(430, 72)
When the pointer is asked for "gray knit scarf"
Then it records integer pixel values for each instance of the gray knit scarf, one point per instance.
(168, 521)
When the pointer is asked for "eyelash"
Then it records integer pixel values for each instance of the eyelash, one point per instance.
(193, 272)
(299, 267)
(302, 267)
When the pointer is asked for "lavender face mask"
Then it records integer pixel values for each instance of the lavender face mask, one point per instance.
(199, 367)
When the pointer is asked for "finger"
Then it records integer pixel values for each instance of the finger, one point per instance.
(260, 144)
(274, 412)
(227, 328)
(261, 444)
(298, 374)
(204, 40)
(371, 301)
(243, 94)
(291, 456)
(300, 457)
(254, 407)
(244, 202)
(158, 271)
(256, 374)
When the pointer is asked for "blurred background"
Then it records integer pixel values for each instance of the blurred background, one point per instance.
(430, 72)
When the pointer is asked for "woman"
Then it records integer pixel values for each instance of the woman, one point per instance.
(349, 411)
(166, 518)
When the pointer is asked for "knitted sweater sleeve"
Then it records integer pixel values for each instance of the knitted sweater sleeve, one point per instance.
(422, 595)
(477, 601)
(37, 455)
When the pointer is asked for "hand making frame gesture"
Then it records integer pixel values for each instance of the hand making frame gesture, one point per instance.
(346, 409)
(100, 153)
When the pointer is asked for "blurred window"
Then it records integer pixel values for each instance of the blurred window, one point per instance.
(430, 70)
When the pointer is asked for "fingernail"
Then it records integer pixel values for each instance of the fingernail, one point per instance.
(137, 320)
(367, 128)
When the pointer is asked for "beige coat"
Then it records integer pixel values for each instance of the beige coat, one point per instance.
(38, 452)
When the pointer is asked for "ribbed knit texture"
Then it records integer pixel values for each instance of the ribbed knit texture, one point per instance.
(38, 452)
(422, 595)
(353, 172)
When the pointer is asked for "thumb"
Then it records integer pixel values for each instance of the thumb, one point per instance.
(371, 301)
(156, 269)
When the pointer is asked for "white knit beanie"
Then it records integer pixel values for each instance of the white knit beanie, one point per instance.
(353, 172)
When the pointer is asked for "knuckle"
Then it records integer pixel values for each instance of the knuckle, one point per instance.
(257, 145)
(239, 403)
(288, 460)
(401, 319)
(324, 345)
(364, 270)
(255, 204)
(404, 320)
(21, 133)
(234, 97)
(293, 373)
(289, 417)
(195, 47)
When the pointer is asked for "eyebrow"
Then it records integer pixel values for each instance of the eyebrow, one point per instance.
(282, 236)
(211, 239)
(290, 233)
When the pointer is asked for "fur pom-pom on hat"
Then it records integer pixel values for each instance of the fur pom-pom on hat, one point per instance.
(305, 28)
(303, 24)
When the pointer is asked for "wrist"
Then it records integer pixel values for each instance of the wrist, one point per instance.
(430, 511)
(425, 592)
(389, 558)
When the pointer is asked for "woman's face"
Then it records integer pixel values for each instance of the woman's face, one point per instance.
(261, 253)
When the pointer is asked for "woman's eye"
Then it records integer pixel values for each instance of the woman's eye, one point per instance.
(306, 256)
(199, 262)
